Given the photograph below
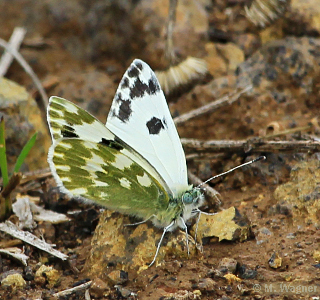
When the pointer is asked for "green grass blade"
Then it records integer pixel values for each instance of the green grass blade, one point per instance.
(25, 151)
(3, 155)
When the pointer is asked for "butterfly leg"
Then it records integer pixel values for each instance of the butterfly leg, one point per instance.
(138, 223)
(159, 244)
(186, 231)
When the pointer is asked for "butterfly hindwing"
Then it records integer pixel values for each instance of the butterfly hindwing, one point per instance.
(140, 116)
(106, 176)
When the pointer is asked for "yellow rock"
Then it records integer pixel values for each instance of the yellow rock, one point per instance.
(301, 192)
(115, 246)
(48, 274)
(232, 278)
(232, 54)
(15, 281)
(225, 225)
(316, 255)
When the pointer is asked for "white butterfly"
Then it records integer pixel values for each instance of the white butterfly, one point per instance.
(134, 164)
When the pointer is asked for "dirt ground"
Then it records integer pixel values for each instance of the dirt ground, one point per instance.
(281, 258)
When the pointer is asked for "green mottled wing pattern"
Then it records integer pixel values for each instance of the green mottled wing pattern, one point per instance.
(106, 176)
(67, 120)
(88, 161)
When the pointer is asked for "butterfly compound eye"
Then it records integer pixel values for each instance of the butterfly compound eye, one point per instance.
(192, 196)
(187, 198)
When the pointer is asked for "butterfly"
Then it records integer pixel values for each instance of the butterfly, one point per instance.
(134, 164)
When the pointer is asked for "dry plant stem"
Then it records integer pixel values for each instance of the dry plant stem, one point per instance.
(68, 292)
(28, 70)
(12, 184)
(288, 131)
(224, 101)
(16, 254)
(11, 229)
(10, 243)
(5, 200)
(204, 156)
(211, 192)
(35, 175)
(14, 43)
(87, 295)
(252, 146)
(169, 51)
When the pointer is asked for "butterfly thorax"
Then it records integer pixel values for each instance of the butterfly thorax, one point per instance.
(180, 209)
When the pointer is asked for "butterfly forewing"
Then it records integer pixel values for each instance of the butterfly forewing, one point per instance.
(67, 120)
(140, 116)
(106, 176)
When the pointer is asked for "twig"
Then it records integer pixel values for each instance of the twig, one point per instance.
(35, 175)
(28, 70)
(226, 100)
(78, 288)
(16, 253)
(14, 42)
(11, 229)
(12, 184)
(254, 146)
(289, 131)
(204, 156)
(169, 51)
(37, 43)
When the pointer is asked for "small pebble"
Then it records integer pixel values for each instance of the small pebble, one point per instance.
(28, 273)
(291, 236)
(298, 245)
(227, 265)
(118, 277)
(99, 288)
(247, 273)
(275, 260)
(206, 284)
(299, 262)
(124, 292)
(262, 235)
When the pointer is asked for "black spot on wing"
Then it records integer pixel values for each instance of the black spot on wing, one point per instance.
(155, 125)
(125, 83)
(139, 88)
(133, 71)
(68, 132)
(139, 65)
(154, 86)
(124, 110)
(111, 144)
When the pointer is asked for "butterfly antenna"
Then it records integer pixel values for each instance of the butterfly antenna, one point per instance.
(231, 170)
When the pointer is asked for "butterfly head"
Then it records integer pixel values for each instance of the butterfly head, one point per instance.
(193, 196)
(191, 200)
